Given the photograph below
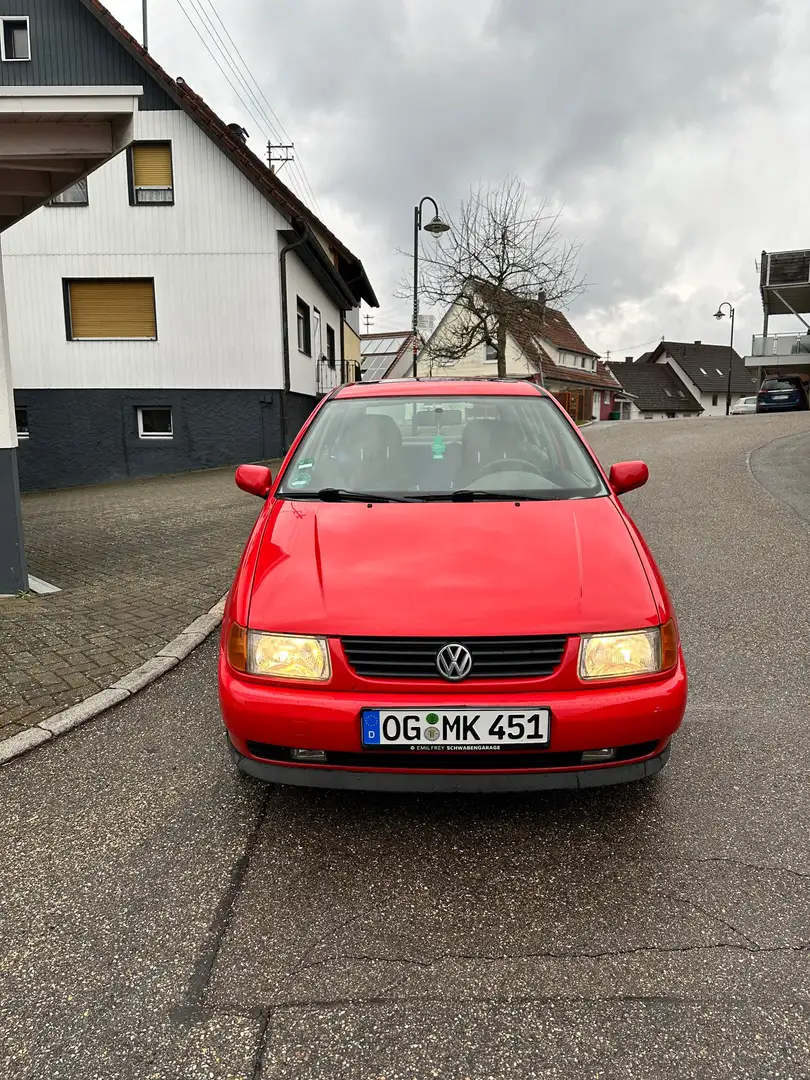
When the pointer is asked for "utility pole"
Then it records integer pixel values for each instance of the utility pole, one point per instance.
(279, 154)
(369, 321)
(145, 25)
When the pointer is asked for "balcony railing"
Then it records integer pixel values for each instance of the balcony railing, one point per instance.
(786, 268)
(328, 375)
(782, 345)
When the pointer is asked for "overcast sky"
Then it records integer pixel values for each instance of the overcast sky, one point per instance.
(673, 133)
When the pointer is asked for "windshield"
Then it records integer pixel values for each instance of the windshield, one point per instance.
(437, 446)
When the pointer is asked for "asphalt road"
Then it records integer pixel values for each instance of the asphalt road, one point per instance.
(161, 918)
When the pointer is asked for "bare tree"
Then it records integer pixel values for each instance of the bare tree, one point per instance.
(501, 253)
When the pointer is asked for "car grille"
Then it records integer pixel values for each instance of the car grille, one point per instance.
(493, 658)
(472, 761)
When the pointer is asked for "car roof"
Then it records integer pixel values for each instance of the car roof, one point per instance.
(438, 387)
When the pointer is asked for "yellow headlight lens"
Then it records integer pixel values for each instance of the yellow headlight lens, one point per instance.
(608, 656)
(286, 657)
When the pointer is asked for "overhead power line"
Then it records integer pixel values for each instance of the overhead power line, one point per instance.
(243, 90)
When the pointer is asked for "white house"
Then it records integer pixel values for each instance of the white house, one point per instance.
(703, 370)
(178, 309)
(541, 345)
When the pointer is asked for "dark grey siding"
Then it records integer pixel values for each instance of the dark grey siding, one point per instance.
(91, 436)
(70, 47)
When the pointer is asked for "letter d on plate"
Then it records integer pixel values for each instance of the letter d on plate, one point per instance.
(370, 722)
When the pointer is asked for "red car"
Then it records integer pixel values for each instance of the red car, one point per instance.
(443, 592)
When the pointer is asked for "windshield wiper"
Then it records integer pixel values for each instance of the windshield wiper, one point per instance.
(329, 494)
(473, 495)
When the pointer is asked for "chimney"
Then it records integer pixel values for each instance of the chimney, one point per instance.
(629, 359)
(541, 296)
(238, 131)
(698, 342)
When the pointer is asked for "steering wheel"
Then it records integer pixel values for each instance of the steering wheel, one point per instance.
(508, 465)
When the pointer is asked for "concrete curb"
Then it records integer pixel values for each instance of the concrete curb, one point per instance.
(148, 672)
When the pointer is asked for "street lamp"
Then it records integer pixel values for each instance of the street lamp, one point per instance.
(719, 314)
(435, 226)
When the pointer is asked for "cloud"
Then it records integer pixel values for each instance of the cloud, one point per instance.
(671, 132)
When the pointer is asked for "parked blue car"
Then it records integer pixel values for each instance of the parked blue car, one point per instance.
(783, 393)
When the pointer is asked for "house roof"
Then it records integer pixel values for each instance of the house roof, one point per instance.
(348, 266)
(707, 366)
(656, 387)
(381, 351)
(531, 323)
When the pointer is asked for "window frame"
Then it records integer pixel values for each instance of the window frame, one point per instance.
(303, 319)
(14, 19)
(317, 334)
(715, 400)
(52, 201)
(490, 359)
(22, 433)
(133, 190)
(67, 282)
(148, 436)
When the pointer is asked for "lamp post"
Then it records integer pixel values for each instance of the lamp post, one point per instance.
(437, 227)
(719, 314)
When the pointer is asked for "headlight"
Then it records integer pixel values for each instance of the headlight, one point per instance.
(282, 656)
(637, 652)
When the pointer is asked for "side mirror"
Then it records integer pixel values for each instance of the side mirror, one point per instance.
(254, 479)
(628, 475)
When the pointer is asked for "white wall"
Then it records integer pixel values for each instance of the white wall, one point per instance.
(303, 368)
(214, 258)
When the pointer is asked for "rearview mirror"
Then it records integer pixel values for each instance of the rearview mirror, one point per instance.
(628, 475)
(254, 479)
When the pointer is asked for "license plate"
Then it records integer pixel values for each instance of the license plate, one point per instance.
(455, 729)
(779, 397)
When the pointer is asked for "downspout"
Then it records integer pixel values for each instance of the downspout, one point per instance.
(342, 347)
(285, 336)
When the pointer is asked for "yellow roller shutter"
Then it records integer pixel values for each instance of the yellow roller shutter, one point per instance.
(152, 165)
(112, 309)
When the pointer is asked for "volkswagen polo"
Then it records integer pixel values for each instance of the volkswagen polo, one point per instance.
(443, 592)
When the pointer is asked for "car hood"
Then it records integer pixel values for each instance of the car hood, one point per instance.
(437, 569)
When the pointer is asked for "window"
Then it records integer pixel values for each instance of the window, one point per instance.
(490, 354)
(317, 336)
(330, 345)
(714, 399)
(150, 174)
(667, 392)
(583, 361)
(719, 372)
(304, 328)
(605, 397)
(15, 43)
(110, 308)
(681, 394)
(154, 423)
(21, 417)
(704, 371)
(75, 195)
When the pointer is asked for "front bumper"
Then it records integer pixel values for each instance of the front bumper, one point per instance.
(625, 715)
(324, 776)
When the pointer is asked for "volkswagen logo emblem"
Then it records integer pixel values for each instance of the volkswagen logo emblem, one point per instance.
(454, 662)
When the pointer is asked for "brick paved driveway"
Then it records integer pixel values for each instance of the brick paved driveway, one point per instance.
(137, 562)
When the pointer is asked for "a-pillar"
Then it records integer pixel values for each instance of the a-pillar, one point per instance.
(13, 572)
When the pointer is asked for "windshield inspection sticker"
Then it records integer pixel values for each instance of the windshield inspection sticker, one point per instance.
(301, 481)
(305, 463)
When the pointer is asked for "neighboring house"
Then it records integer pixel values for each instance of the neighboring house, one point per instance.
(179, 309)
(381, 352)
(703, 370)
(541, 345)
(655, 391)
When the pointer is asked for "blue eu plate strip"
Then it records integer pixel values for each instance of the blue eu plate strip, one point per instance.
(370, 719)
